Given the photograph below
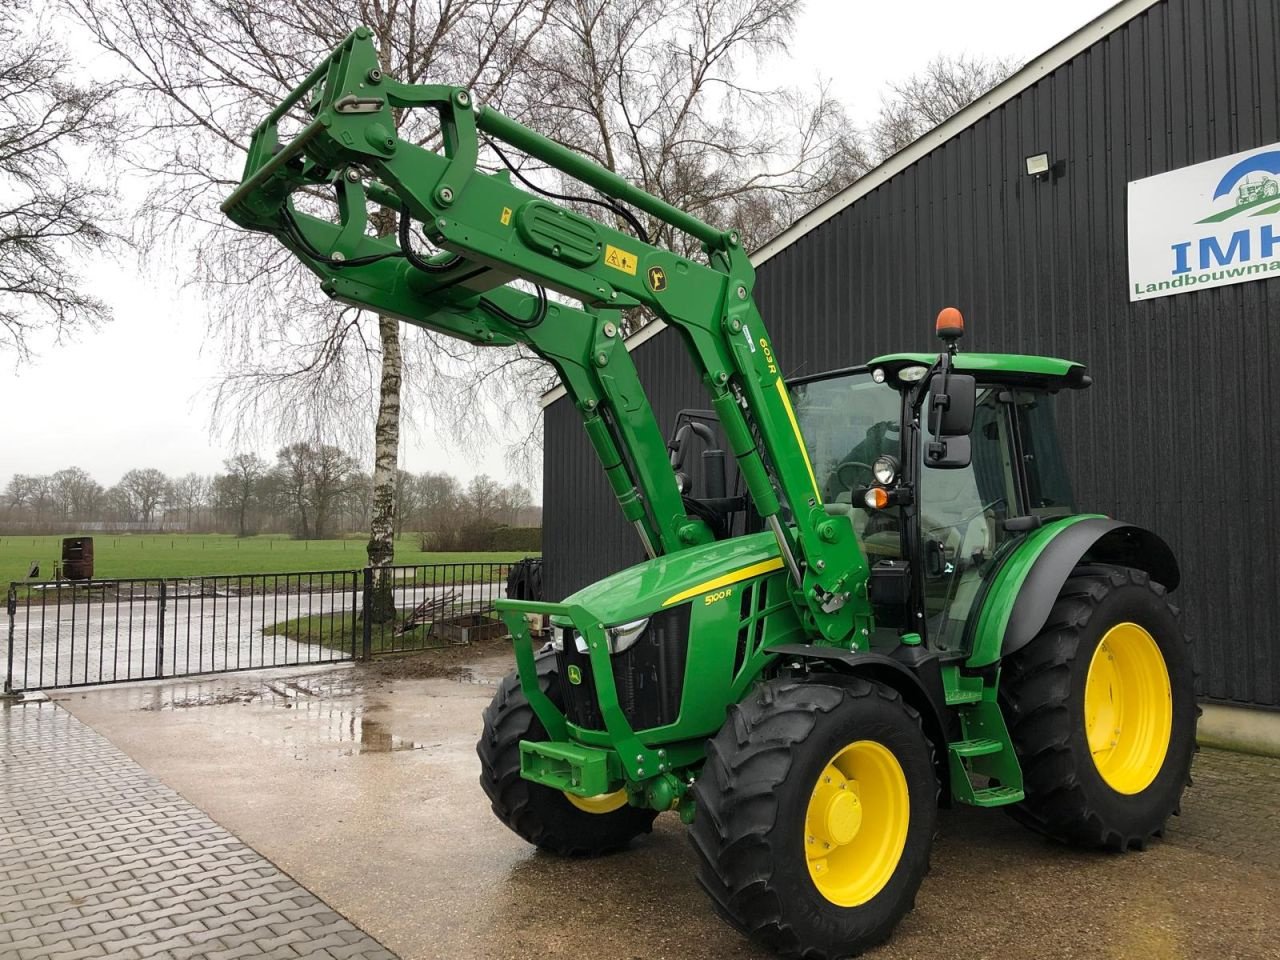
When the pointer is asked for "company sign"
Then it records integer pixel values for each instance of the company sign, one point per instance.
(1206, 225)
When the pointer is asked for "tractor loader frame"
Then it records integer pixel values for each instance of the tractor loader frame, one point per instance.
(722, 662)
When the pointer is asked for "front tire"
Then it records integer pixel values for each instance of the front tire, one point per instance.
(815, 816)
(551, 820)
(1101, 709)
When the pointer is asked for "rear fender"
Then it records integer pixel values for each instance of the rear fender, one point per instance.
(1028, 583)
(878, 668)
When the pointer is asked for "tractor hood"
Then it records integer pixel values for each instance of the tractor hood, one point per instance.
(646, 588)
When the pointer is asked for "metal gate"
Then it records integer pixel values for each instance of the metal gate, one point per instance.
(70, 634)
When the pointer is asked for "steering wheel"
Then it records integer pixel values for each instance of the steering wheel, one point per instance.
(842, 475)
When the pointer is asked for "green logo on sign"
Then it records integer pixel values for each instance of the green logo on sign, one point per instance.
(1257, 191)
(575, 675)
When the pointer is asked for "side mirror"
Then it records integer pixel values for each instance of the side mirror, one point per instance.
(951, 401)
(947, 453)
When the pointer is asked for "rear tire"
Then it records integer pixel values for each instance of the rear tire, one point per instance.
(1096, 665)
(767, 797)
(545, 817)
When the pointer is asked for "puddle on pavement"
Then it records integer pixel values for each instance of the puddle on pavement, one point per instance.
(376, 738)
(281, 693)
(336, 705)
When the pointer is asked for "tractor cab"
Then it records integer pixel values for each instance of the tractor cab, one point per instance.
(935, 528)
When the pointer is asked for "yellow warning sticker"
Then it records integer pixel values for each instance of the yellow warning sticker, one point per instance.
(506, 216)
(620, 259)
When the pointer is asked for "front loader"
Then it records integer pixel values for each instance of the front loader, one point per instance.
(897, 607)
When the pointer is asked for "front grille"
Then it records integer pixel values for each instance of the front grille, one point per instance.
(649, 676)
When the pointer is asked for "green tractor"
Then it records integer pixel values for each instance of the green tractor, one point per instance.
(897, 608)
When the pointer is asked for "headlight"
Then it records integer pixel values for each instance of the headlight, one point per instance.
(912, 374)
(878, 375)
(624, 635)
(557, 640)
(885, 470)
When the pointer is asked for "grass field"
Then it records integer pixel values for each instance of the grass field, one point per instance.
(181, 555)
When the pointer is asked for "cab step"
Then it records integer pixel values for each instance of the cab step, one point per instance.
(975, 748)
(996, 796)
(984, 768)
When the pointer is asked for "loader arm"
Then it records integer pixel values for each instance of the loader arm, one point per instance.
(494, 232)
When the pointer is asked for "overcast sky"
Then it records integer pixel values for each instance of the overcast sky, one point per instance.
(136, 392)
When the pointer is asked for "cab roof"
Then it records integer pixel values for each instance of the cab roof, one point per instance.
(1046, 372)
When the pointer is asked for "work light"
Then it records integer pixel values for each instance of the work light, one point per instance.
(912, 374)
(624, 635)
(885, 470)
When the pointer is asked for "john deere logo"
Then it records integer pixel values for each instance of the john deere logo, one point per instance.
(1206, 225)
(575, 675)
(657, 279)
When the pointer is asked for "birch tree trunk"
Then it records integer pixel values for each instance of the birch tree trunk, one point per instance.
(386, 434)
(386, 456)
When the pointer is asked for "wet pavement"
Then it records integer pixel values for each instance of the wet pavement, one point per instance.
(99, 859)
(363, 788)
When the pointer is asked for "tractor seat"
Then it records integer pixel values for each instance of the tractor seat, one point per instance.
(885, 544)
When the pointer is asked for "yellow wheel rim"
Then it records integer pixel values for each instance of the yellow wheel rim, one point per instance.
(855, 827)
(600, 803)
(1128, 708)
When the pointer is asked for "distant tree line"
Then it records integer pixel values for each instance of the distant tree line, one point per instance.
(311, 491)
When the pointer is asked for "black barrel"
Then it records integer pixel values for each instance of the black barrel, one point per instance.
(77, 558)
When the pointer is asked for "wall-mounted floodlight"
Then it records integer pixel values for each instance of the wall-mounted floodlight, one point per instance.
(1038, 166)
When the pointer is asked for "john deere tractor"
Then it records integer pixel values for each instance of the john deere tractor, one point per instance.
(894, 606)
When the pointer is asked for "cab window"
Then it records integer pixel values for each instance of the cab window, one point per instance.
(847, 422)
(1048, 484)
(962, 515)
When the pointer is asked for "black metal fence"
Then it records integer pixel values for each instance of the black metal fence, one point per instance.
(71, 634)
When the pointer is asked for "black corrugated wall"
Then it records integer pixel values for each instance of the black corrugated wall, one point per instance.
(1179, 431)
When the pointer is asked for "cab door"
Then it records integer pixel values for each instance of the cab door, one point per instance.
(961, 516)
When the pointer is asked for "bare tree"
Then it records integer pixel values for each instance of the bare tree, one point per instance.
(190, 493)
(291, 479)
(239, 487)
(20, 493)
(407, 503)
(924, 100)
(331, 474)
(438, 496)
(76, 493)
(660, 92)
(313, 478)
(145, 489)
(52, 216)
(511, 500)
(206, 72)
(117, 504)
(482, 499)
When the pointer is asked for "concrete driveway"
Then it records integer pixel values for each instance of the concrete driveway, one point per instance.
(360, 782)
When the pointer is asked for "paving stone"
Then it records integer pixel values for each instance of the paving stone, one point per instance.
(100, 859)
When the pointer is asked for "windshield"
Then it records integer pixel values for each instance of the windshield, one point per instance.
(847, 422)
